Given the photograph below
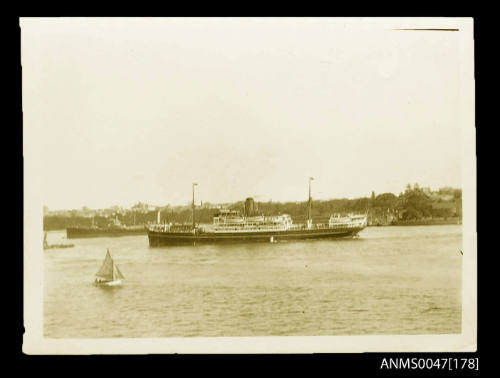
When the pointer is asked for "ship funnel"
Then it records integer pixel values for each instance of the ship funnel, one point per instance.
(249, 207)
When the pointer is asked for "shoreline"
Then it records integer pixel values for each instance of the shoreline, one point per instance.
(423, 222)
(435, 222)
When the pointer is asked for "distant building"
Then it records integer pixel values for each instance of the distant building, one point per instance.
(143, 207)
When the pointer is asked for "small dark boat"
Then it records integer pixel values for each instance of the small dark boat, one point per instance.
(51, 246)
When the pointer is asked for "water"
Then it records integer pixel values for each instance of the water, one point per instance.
(392, 280)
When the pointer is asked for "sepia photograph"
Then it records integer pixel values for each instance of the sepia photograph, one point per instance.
(249, 185)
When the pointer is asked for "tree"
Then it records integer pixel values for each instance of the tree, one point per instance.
(412, 214)
(416, 203)
(386, 201)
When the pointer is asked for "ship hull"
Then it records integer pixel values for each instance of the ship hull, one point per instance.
(83, 232)
(158, 238)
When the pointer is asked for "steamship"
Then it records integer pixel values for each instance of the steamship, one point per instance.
(229, 226)
(111, 230)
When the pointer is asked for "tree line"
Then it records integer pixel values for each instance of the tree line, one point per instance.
(412, 204)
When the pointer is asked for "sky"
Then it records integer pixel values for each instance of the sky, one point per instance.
(128, 110)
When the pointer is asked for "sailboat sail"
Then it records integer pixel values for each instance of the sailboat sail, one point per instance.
(117, 273)
(107, 270)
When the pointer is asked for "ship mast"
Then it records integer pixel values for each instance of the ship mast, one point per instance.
(194, 224)
(309, 207)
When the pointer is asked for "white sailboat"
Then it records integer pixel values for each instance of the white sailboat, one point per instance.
(109, 274)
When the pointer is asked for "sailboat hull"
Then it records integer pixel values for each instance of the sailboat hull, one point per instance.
(109, 283)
